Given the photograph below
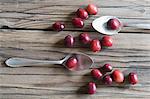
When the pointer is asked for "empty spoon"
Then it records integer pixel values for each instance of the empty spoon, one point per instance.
(84, 62)
(100, 25)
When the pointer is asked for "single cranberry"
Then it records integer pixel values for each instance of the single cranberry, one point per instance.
(114, 24)
(58, 26)
(107, 80)
(107, 41)
(92, 9)
(78, 22)
(96, 74)
(107, 68)
(91, 88)
(82, 13)
(95, 45)
(133, 79)
(84, 38)
(69, 41)
(71, 63)
(118, 76)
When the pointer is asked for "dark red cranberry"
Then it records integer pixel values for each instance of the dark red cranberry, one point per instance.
(92, 9)
(107, 80)
(107, 68)
(78, 22)
(82, 13)
(107, 41)
(91, 88)
(133, 79)
(114, 24)
(84, 38)
(96, 74)
(118, 76)
(58, 26)
(95, 45)
(71, 63)
(69, 41)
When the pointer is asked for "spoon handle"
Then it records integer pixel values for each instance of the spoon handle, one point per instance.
(138, 25)
(20, 62)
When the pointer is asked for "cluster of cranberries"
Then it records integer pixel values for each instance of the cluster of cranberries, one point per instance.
(78, 21)
(84, 38)
(107, 78)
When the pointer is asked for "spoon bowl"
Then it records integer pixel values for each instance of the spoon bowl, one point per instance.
(100, 25)
(84, 62)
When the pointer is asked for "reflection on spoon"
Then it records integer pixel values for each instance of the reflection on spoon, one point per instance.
(84, 62)
(100, 25)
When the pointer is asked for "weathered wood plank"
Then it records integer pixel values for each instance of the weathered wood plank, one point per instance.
(128, 49)
(40, 15)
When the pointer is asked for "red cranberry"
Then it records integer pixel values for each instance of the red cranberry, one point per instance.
(96, 74)
(69, 41)
(91, 88)
(82, 13)
(118, 76)
(114, 24)
(133, 79)
(107, 68)
(107, 41)
(84, 38)
(78, 22)
(107, 80)
(58, 26)
(95, 45)
(71, 62)
(92, 9)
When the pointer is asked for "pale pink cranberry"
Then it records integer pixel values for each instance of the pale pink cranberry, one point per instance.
(69, 41)
(71, 62)
(107, 68)
(107, 80)
(107, 41)
(96, 74)
(114, 24)
(84, 38)
(95, 45)
(92, 9)
(91, 88)
(118, 76)
(58, 26)
(78, 22)
(82, 13)
(133, 79)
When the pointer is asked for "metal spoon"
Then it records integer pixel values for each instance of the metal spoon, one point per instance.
(84, 62)
(100, 25)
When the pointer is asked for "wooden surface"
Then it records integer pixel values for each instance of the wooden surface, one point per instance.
(25, 32)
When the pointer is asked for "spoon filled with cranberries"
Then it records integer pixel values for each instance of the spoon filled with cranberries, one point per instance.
(110, 25)
(73, 62)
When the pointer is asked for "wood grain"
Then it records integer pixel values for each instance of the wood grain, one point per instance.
(26, 32)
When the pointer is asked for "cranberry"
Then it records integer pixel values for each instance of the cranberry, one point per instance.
(114, 24)
(133, 79)
(118, 76)
(95, 45)
(84, 38)
(107, 80)
(58, 26)
(78, 22)
(96, 74)
(91, 88)
(92, 9)
(107, 68)
(107, 41)
(69, 41)
(71, 62)
(82, 13)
